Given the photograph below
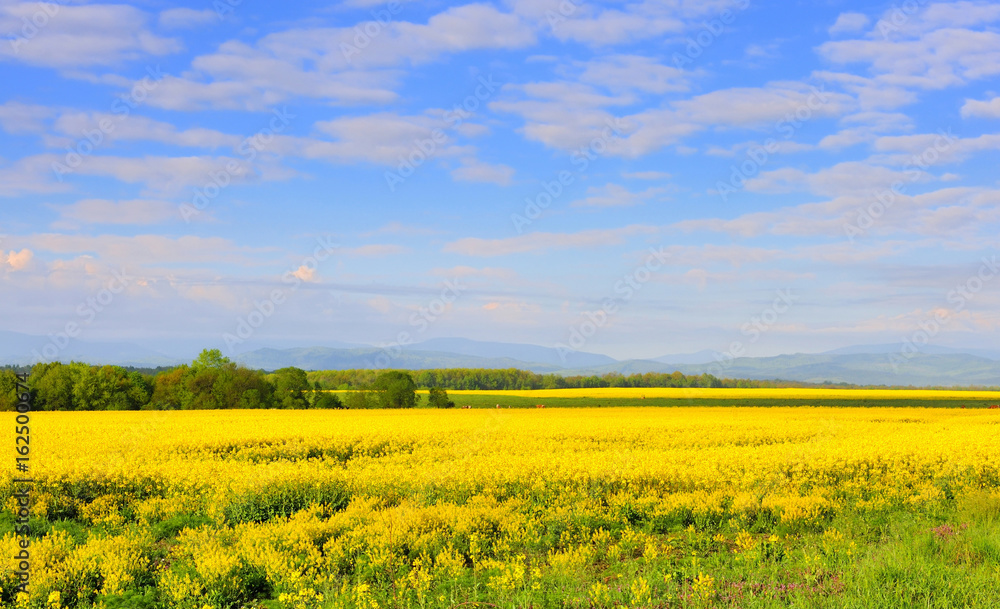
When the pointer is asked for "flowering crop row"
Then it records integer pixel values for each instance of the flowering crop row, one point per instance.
(435, 508)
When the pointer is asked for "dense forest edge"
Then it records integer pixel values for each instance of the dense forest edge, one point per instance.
(213, 381)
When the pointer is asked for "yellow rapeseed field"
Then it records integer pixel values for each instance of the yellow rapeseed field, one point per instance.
(793, 393)
(437, 508)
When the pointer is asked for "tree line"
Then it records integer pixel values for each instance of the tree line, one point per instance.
(210, 382)
(514, 378)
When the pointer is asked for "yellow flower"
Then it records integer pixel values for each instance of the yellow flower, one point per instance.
(297, 499)
(703, 586)
(54, 601)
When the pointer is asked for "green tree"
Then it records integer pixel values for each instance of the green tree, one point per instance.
(200, 383)
(360, 399)
(107, 388)
(170, 390)
(327, 400)
(211, 382)
(53, 385)
(438, 398)
(395, 389)
(239, 387)
(140, 390)
(8, 390)
(210, 358)
(290, 385)
(252, 399)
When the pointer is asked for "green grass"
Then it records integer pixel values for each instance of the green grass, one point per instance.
(947, 555)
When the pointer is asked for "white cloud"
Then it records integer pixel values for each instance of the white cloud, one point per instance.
(751, 106)
(30, 175)
(476, 171)
(384, 138)
(216, 295)
(623, 73)
(18, 261)
(312, 62)
(905, 324)
(489, 274)
(133, 127)
(981, 109)
(19, 118)
(865, 127)
(139, 250)
(381, 304)
(367, 3)
(399, 228)
(103, 211)
(929, 50)
(647, 175)
(654, 130)
(239, 77)
(940, 15)
(172, 175)
(615, 27)
(472, 246)
(849, 23)
(72, 36)
(600, 26)
(570, 115)
(929, 149)
(459, 29)
(958, 212)
(770, 106)
(615, 195)
(561, 115)
(305, 273)
(849, 177)
(182, 18)
(872, 94)
(374, 250)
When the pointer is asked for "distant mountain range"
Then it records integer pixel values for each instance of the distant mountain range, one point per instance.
(860, 364)
(930, 349)
(323, 358)
(920, 369)
(523, 353)
(21, 349)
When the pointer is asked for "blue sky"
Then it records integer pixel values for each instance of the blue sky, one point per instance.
(630, 178)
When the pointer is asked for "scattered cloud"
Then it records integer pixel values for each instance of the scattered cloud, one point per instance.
(305, 273)
(981, 109)
(18, 118)
(19, 261)
(641, 102)
(849, 23)
(399, 228)
(933, 49)
(646, 175)
(374, 250)
(625, 73)
(79, 36)
(184, 18)
(615, 195)
(103, 211)
(472, 246)
(312, 63)
(477, 171)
